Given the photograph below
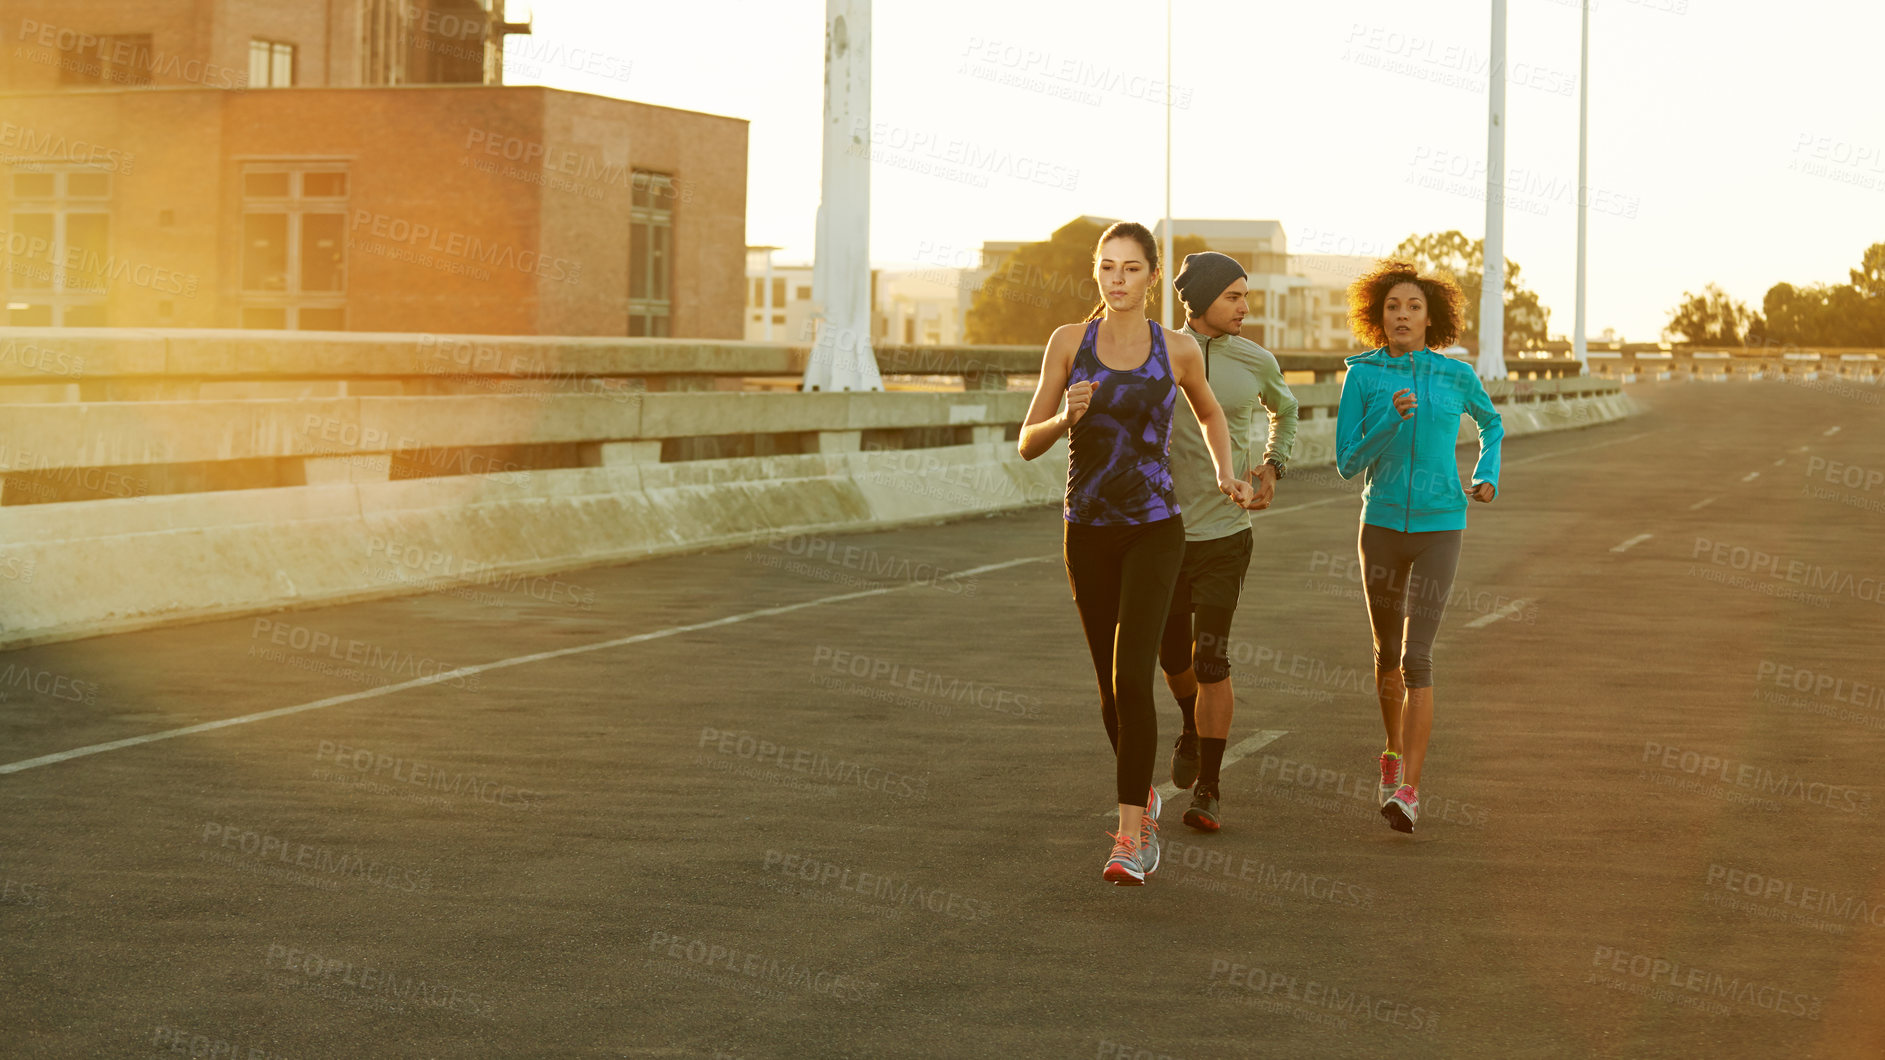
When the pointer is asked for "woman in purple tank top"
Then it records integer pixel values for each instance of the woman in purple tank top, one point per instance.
(1124, 537)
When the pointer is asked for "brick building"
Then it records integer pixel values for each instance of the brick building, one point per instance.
(348, 165)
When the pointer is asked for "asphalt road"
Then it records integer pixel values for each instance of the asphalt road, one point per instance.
(844, 796)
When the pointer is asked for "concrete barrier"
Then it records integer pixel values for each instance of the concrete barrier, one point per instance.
(338, 522)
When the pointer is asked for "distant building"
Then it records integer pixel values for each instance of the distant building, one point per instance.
(1326, 306)
(386, 180)
(922, 307)
(1278, 317)
(778, 299)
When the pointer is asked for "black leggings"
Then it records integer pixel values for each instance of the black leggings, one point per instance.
(1122, 580)
(1202, 647)
(1408, 577)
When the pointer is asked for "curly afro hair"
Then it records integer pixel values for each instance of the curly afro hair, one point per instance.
(1370, 291)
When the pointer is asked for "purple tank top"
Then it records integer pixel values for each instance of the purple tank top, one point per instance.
(1119, 465)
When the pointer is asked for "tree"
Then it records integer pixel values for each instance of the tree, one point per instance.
(1464, 260)
(1044, 285)
(1712, 318)
(1845, 314)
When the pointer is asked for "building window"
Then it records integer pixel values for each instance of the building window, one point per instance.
(804, 294)
(271, 64)
(1256, 303)
(59, 247)
(88, 59)
(759, 294)
(650, 254)
(294, 245)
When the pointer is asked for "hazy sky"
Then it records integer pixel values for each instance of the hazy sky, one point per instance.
(1732, 141)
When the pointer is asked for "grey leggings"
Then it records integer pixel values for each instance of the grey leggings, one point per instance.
(1408, 577)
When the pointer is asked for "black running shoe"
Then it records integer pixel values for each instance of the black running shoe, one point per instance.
(1203, 812)
(1185, 760)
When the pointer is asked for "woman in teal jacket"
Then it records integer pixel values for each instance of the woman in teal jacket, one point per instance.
(1397, 427)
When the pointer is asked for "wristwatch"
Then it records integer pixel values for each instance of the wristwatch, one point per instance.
(1280, 471)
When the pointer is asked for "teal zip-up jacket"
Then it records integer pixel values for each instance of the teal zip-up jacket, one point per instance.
(1411, 481)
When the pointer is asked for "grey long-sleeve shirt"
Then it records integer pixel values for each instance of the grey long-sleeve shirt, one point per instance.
(1242, 375)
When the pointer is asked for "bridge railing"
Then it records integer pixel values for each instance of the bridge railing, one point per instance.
(101, 414)
(151, 477)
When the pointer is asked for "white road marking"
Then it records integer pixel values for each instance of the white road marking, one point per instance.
(1507, 611)
(1578, 449)
(1781, 461)
(1829, 432)
(1750, 476)
(1637, 540)
(466, 671)
(1699, 505)
(1233, 754)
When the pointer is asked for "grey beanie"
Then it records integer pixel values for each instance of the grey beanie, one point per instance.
(1203, 277)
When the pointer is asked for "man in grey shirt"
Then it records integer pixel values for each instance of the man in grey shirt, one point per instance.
(1195, 655)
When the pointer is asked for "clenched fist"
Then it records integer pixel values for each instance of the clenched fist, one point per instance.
(1079, 396)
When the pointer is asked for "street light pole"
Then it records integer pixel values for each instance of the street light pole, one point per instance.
(1492, 287)
(1578, 348)
(1166, 294)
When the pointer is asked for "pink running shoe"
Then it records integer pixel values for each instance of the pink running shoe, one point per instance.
(1402, 809)
(1391, 770)
(1123, 868)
